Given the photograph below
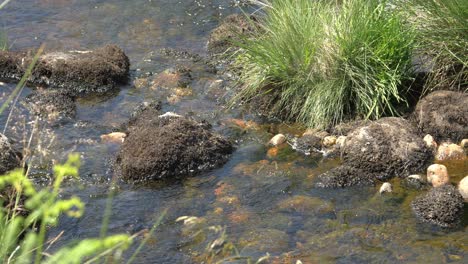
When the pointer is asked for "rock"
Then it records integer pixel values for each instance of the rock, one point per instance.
(430, 142)
(307, 144)
(385, 188)
(52, 104)
(9, 158)
(220, 39)
(277, 140)
(114, 137)
(444, 115)
(316, 132)
(329, 141)
(437, 175)
(447, 151)
(78, 72)
(164, 147)
(179, 77)
(414, 182)
(441, 206)
(464, 145)
(340, 141)
(342, 177)
(380, 150)
(463, 188)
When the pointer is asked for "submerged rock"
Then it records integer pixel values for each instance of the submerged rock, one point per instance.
(380, 150)
(97, 70)
(178, 77)
(169, 146)
(441, 206)
(52, 104)
(414, 181)
(220, 39)
(342, 177)
(443, 114)
(9, 158)
(307, 144)
(114, 137)
(277, 140)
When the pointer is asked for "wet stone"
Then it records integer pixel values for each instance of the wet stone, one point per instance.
(441, 206)
(307, 144)
(463, 188)
(178, 77)
(437, 175)
(447, 151)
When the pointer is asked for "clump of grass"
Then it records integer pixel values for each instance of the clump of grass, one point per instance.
(23, 236)
(324, 61)
(442, 27)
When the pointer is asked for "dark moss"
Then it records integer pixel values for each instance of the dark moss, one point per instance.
(441, 206)
(443, 114)
(169, 147)
(387, 148)
(344, 176)
(98, 70)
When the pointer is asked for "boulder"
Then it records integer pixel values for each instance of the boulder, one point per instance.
(79, 72)
(9, 158)
(443, 114)
(379, 150)
(441, 206)
(169, 146)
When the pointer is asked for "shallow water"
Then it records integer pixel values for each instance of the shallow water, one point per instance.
(262, 200)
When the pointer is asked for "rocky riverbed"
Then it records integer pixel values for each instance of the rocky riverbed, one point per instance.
(237, 185)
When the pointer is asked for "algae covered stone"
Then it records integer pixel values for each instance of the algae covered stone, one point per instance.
(441, 206)
(169, 146)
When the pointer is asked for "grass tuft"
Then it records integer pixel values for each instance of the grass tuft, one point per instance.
(442, 27)
(324, 61)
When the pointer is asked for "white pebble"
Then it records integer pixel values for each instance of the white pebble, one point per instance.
(385, 188)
